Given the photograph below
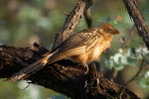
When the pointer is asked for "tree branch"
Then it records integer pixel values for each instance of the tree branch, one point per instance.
(64, 76)
(87, 14)
(136, 15)
(137, 74)
(72, 20)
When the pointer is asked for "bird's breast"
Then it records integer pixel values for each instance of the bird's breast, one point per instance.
(95, 53)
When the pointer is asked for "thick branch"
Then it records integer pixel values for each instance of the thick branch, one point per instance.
(72, 20)
(136, 15)
(63, 76)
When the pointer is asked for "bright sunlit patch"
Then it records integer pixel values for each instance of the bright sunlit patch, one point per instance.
(31, 92)
(147, 75)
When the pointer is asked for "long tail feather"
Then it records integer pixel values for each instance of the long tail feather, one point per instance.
(31, 69)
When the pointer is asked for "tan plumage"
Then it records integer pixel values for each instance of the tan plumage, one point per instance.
(83, 47)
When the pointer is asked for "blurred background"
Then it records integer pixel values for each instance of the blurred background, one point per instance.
(23, 22)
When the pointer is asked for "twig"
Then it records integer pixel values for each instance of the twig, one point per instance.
(137, 74)
(136, 15)
(88, 18)
(114, 74)
(87, 14)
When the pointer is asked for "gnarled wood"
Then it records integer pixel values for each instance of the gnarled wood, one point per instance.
(64, 76)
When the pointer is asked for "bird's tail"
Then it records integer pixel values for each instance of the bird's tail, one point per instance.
(31, 69)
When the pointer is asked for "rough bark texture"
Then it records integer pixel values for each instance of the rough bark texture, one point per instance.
(72, 20)
(136, 15)
(64, 76)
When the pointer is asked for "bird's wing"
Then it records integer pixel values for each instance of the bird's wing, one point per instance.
(74, 45)
(83, 38)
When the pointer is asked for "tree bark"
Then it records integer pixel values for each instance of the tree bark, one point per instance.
(136, 15)
(64, 76)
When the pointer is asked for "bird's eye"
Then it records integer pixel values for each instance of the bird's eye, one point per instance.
(110, 29)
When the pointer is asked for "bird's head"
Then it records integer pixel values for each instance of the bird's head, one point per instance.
(108, 28)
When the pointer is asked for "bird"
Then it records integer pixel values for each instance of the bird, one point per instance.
(82, 47)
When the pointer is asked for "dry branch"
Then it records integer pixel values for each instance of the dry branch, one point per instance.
(136, 15)
(87, 14)
(63, 76)
(72, 20)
